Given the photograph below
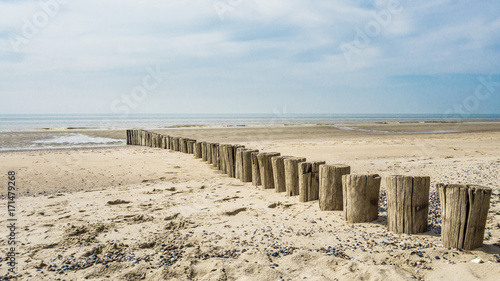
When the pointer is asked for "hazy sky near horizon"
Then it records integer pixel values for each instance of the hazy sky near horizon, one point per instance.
(250, 56)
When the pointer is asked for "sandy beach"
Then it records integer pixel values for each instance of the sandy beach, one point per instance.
(139, 213)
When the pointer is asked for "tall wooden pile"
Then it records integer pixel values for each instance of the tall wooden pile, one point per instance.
(464, 213)
(361, 193)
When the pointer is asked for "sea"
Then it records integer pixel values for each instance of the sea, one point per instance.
(67, 124)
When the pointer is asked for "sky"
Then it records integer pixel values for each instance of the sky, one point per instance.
(250, 56)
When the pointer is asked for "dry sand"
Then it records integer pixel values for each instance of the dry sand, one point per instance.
(127, 213)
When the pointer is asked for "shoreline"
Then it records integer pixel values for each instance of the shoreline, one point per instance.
(30, 140)
(271, 123)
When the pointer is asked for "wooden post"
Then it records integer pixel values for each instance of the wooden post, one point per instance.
(407, 203)
(266, 168)
(239, 163)
(154, 139)
(309, 180)
(330, 186)
(165, 142)
(464, 210)
(256, 181)
(209, 152)
(176, 146)
(246, 169)
(234, 172)
(182, 145)
(227, 160)
(215, 155)
(361, 193)
(204, 151)
(223, 158)
(292, 175)
(191, 146)
(278, 163)
(197, 150)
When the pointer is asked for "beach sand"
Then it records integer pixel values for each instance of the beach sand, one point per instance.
(153, 214)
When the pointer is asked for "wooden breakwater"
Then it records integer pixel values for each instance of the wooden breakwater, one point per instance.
(464, 207)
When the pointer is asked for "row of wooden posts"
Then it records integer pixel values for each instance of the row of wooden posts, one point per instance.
(464, 207)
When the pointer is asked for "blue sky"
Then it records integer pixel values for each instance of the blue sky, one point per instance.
(249, 56)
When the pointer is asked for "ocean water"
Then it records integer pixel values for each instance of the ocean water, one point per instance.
(40, 126)
(46, 122)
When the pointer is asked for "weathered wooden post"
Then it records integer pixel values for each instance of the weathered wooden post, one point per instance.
(361, 194)
(215, 154)
(150, 139)
(182, 145)
(165, 142)
(175, 142)
(309, 180)
(292, 175)
(266, 168)
(191, 146)
(235, 151)
(464, 210)
(407, 203)
(278, 163)
(197, 150)
(209, 152)
(223, 158)
(143, 138)
(239, 163)
(246, 169)
(330, 186)
(154, 139)
(256, 181)
(204, 151)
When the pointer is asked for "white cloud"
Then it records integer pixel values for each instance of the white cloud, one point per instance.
(103, 47)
